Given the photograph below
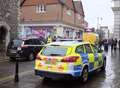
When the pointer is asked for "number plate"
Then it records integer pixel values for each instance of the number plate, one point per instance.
(51, 61)
(48, 61)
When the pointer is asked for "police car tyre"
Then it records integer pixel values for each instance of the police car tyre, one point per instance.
(12, 58)
(31, 56)
(104, 65)
(84, 76)
(47, 79)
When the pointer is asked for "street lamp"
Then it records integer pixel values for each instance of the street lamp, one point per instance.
(16, 79)
(99, 21)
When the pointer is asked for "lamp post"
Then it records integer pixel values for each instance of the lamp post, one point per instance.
(16, 78)
(119, 32)
(99, 21)
(16, 70)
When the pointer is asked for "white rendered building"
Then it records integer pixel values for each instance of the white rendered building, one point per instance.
(116, 10)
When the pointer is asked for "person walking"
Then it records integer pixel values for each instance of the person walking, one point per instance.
(100, 44)
(112, 44)
(106, 45)
(119, 44)
(49, 39)
(115, 44)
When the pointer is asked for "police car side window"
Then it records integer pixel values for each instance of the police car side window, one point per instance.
(95, 49)
(80, 49)
(88, 48)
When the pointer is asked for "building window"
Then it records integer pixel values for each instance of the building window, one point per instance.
(40, 8)
(79, 17)
(69, 12)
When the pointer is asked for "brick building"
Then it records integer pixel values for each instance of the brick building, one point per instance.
(42, 18)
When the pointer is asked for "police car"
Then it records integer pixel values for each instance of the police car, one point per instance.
(69, 59)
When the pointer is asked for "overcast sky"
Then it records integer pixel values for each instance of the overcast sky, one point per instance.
(98, 9)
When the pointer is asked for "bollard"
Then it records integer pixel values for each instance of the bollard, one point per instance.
(16, 79)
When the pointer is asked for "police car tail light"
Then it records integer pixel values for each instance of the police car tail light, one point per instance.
(70, 59)
(38, 57)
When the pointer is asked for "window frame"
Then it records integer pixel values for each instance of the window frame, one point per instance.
(79, 46)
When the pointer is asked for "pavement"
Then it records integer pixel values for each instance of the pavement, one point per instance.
(108, 79)
(3, 57)
(7, 68)
(26, 80)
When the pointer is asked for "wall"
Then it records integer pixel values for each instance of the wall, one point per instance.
(53, 13)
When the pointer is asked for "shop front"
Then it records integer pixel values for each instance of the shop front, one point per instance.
(35, 32)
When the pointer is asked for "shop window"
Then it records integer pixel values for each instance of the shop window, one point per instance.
(79, 17)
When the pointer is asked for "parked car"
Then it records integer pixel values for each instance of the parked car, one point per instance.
(69, 59)
(26, 49)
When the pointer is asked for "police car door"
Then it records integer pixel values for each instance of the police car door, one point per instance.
(90, 54)
(81, 50)
(97, 56)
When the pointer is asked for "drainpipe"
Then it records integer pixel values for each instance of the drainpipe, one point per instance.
(62, 6)
(74, 13)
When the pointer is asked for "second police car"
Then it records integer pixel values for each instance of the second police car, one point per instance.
(69, 59)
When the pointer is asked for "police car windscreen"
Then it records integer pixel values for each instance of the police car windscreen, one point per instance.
(54, 51)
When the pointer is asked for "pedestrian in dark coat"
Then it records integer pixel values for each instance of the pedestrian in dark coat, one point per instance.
(106, 45)
(112, 44)
(115, 44)
(119, 44)
(100, 44)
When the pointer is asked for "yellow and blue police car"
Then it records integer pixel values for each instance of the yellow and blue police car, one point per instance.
(69, 59)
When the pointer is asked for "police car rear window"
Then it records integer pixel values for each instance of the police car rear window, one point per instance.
(54, 51)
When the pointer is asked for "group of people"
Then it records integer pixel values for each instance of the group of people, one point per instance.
(114, 43)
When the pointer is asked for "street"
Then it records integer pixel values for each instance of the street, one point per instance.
(66, 37)
(108, 79)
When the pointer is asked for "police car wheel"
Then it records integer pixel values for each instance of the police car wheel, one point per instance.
(104, 65)
(47, 79)
(31, 56)
(85, 75)
(12, 58)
